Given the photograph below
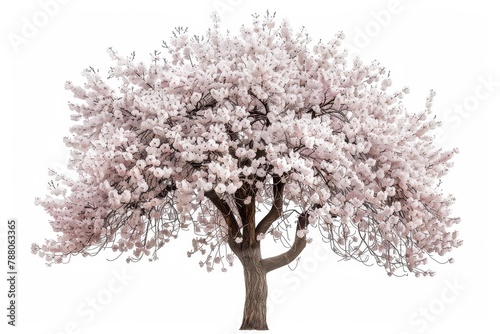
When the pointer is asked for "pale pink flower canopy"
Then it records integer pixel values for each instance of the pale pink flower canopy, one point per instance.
(210, 115)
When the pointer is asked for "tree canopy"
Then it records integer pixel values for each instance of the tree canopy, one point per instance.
(216, 128)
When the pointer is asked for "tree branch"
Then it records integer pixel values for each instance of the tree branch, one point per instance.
(168, 188)
(277, 208)
(260, 116)
(298, 246)
(232, 224)
(247, 214)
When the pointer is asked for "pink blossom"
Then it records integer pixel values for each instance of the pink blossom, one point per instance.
(264, 121)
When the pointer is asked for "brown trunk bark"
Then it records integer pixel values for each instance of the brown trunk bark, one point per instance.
(254, 315)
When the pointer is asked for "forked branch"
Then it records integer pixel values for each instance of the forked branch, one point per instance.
(298, 246)
(231, 222)
(277, 208)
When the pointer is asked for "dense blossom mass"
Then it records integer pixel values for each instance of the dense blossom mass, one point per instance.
(217, 127)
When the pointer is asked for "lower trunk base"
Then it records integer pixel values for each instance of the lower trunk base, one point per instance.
(247, 325)
(254, 315)
(252, 328)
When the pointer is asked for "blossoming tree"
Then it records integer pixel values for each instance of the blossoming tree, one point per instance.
(245, 138)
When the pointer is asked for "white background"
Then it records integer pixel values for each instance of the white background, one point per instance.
(449, 46)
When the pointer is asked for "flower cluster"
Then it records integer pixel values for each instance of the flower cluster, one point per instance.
(222, 113)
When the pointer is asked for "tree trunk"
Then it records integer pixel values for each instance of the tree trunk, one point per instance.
(254, 316)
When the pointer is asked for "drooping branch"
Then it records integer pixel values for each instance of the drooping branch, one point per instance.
(277, 208)
(231, 222)
(298, 246)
